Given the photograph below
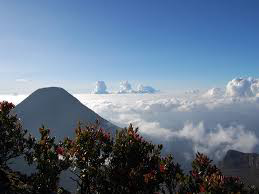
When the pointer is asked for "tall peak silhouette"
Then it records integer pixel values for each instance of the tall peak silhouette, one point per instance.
(58, 110)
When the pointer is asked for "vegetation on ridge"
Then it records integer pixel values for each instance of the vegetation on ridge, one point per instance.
(102, 163)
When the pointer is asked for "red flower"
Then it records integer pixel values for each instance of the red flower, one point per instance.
(194, 174)
(106, 136)
(60, 150)
(162, 168)
(6, 106)
(202, 189)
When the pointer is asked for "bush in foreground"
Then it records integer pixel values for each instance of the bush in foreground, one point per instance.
(12, 136)
(124, 163)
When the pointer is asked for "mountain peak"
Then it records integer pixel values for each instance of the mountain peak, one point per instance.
(49, 93)
(245, 165)
(235, 159)
(58, 110)
(51, 89)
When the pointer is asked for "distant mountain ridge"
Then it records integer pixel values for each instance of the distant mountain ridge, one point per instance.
(58, 110)
(245, 165)
(236, 159)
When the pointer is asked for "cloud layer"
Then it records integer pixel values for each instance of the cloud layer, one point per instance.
(210, 122)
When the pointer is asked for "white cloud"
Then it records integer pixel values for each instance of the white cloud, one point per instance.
(219, 139)
(214, 93)
(100, 88)
(15, 98)
(196, 91)
(212, 122)
(125, 87)
(243, 87)
(187, 123)
(21, 80)
(145, 89)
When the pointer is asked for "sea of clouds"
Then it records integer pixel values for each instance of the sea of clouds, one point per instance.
(211, 122)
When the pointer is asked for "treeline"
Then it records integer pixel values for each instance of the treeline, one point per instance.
(123, 163)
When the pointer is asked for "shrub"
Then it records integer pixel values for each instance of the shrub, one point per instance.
(125, 164)
(12, 136)
(49, 160)
(135, 164)
(208, 178)
(172, 175)
(89, 154)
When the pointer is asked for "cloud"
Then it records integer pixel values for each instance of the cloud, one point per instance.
(196, 91)
(243, 87)
(211, 123)
(145, 89)
(100, 88)
(218, 140)
(214, 93)
(21, 80)
(125, 87)
(15, 98)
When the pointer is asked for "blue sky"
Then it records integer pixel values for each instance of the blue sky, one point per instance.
(171, 45)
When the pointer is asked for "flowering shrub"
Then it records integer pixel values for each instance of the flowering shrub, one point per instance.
(49, 160)
(124, 164)
(135, 163)
(207, 178)
(89, 154)
(12, 135)
(172, 175)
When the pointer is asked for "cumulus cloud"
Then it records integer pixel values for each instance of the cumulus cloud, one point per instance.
(243, 87)
(145, 89)
(214, 93)
(125, 87)
(100, 88)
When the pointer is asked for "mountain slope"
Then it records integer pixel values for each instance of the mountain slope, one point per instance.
(58, 110)
(245, 165)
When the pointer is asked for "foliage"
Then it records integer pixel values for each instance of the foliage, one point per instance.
(125, 163)
(89, 154)
(134, 164)
(172, 175)
(12, 135)
(207, 178)
(49, 160)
